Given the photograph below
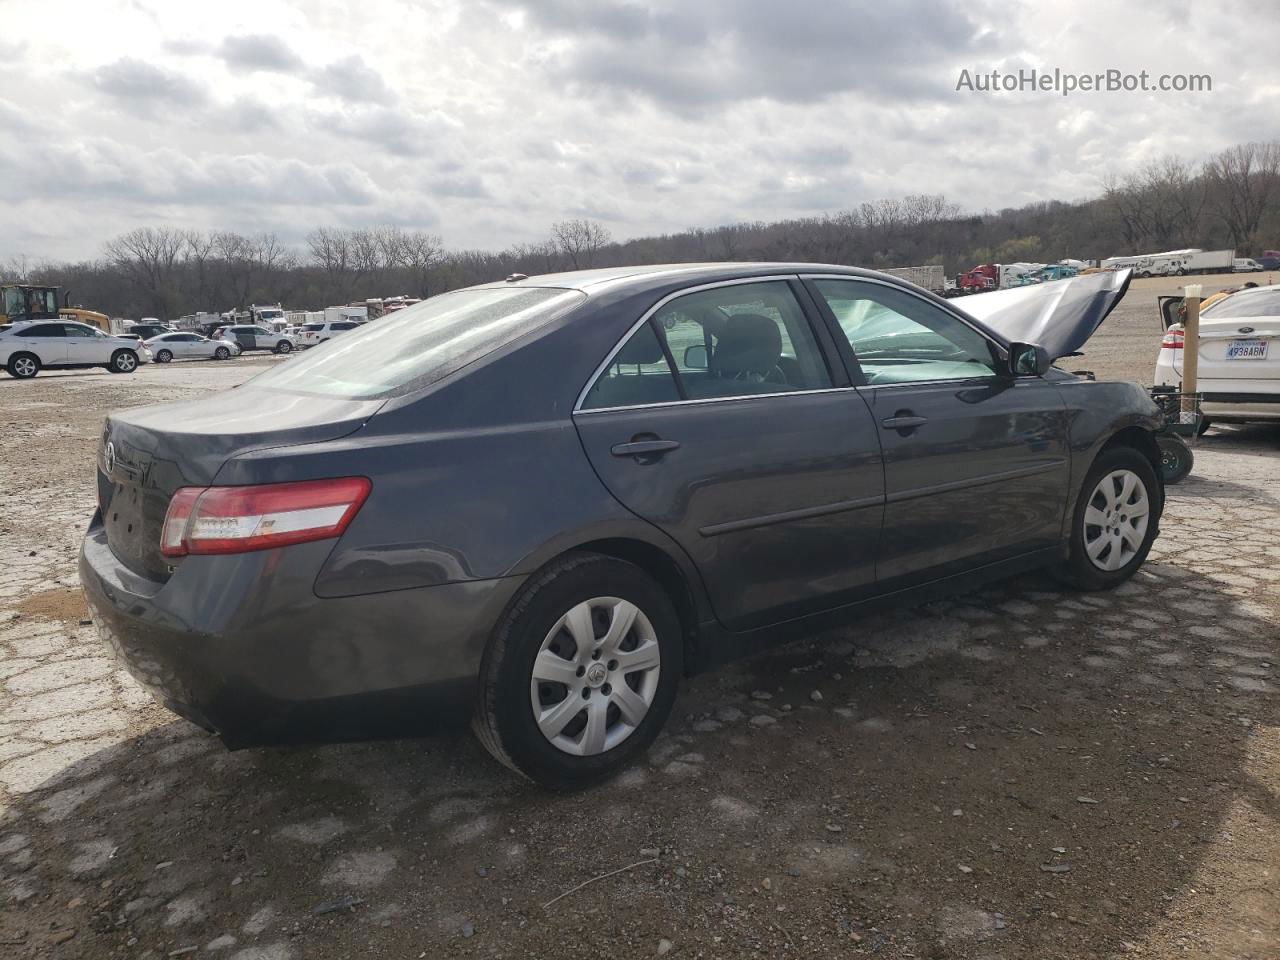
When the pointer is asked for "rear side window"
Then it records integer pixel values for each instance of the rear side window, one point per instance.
(1246, 303)
(419, 345)
(313, 326)
(43, 330)
(637, 374)
(737, 340)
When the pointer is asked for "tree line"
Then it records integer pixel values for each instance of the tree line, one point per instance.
(1230, 200)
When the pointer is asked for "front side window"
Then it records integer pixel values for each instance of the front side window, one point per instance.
(15, 303)
(75, 330)
(421, 344)
(899, 338)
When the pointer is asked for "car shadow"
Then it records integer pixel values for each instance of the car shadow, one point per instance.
(1037, 769)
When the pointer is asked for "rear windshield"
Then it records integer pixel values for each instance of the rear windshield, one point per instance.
(1246, 303)
(419, 345)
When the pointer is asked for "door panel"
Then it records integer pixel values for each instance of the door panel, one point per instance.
(777, 499)
(984, 477)
(976, 461)
(47, 342)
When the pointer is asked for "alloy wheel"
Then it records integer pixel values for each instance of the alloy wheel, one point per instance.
(1115, 520)
(595, 676)
(24, 367)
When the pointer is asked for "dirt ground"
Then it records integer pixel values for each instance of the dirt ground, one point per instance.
(1016, 773)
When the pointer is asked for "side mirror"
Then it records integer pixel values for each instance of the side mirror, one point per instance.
(1028, 360)
(695, 357)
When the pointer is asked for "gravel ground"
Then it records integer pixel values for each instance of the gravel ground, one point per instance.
(1019, 772)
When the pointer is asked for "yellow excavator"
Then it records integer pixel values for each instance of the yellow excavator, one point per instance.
(23, 302)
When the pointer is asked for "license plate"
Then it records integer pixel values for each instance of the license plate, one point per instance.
(1247, 350)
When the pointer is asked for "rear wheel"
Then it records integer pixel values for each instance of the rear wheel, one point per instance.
(1115, 520)
(164, 356)
(23, 366)
(581, 672)
(1176, 458)
(123, 361)
(222, 353)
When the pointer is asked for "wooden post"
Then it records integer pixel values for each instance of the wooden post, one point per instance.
(1191, 350)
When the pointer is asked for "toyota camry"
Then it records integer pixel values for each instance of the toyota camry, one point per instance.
(542, 503)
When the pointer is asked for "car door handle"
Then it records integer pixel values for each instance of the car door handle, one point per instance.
(903, 421)
(644, 448)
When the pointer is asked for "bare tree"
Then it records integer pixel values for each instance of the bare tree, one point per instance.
(147, 256)
(1246, 179)
(579, 240)
(418, 255)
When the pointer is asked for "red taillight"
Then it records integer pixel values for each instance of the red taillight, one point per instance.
(240, 519)
(1173, 340)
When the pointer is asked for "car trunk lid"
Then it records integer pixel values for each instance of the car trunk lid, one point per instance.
(1237, 348)
(147, 453)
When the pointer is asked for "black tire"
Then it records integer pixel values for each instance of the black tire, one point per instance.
(284, 346)
(23, 366)
(164, 356)
(123, 361)
(222, 353)
(1078, 570)
(1144, 274)
(504, 720)
(1205, 424)
(1176, 458)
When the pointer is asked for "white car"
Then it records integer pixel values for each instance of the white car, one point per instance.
(27, 348)
(187, 346)
(1238, 375)
(317, 333)
(1245, 265)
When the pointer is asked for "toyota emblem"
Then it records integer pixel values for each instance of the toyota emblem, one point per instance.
(109, 457)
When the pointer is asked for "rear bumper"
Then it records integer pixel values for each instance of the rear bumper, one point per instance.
(242, 646)
(1241, 406)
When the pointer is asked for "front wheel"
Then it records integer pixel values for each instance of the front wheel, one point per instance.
(123, 361)
(284, 346)
(23, 366)
(222, 353)
(581, 672)
(1176, 458)
(1114, 524)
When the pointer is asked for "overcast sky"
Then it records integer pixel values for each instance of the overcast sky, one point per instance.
(487, 120)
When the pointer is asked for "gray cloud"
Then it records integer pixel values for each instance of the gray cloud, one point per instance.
(259, 51)
(400, 132)
(141, 87)
(352, 80)
(693, 56)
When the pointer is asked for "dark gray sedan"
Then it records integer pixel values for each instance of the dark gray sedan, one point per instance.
(540, 503)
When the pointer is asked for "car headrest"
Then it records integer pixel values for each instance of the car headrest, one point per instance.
(749, 343)
(641, 348)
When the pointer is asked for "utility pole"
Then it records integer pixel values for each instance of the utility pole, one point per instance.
(1190, 351)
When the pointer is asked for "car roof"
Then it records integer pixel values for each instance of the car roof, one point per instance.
(638, 278)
